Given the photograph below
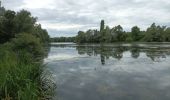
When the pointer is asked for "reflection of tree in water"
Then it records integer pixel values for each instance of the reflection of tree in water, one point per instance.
(102, 54)
(47, 50)
(156, 55)
(105, 52)
(118, 52)
(135, 52)
(81, 50)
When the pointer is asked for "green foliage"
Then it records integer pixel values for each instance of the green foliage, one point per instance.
(107, 36)
(102, 26)
(27, 43)
(21, 51)
(19, 74)
(24, 22)
(12, 23)
(102, 31)
(166, 36)
(42, 34)
(117, 34)
(135, 33)
(7, 26)
(81, 37)
(155, 33)
(129, 39)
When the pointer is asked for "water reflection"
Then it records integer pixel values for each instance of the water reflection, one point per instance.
(156, 53)
(111, 72)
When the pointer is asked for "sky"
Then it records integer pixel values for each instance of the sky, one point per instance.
(67, 17)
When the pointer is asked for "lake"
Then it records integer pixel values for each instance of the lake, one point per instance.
(138, 71)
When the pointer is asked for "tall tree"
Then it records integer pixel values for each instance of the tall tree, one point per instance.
(135, 33)
(102, 25)
(81, 37)
(119, 34)
(25, 22)
(102, 31)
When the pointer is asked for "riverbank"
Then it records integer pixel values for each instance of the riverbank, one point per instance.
(21, 69)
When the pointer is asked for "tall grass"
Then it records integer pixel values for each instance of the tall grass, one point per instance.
(21, 69)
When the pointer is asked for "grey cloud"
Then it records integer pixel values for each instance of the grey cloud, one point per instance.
(89, 13)
(12, 4)
(67, 33)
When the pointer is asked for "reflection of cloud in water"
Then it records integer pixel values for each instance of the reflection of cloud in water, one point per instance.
(52, 58)
(140, 74)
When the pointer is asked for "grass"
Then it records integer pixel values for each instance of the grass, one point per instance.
(21, 71)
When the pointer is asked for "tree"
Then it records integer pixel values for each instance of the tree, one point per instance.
(102, 31)
(135, 31)
(154, 33)
(102, 26)
(81, 37)
(12, 24)
(20, 56)
(24, 22)
(119, 34)
(89, 36)
(41, 33)
(167, 35)
(7, 26)
(96, 37)
(108, 36)
(27, 42)
(116, 34)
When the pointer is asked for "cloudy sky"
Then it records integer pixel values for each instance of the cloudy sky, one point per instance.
(67, 17)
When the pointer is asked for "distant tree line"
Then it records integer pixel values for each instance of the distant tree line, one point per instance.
(154, 33)
(62, 39)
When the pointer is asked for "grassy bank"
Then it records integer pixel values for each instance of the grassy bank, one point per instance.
(21, 69)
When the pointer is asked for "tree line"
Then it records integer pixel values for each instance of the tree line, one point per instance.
(22, 47)
(62, 39)
(154, 33)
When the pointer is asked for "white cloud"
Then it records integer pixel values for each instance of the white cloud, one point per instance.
(34, 4)
(60, 26)
(64, 15)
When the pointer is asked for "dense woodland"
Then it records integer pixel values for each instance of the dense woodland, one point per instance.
(22, 48)
(154, 33)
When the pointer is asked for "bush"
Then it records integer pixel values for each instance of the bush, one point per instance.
(27, 43)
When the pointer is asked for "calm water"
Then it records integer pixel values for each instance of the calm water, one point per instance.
(110, 71)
